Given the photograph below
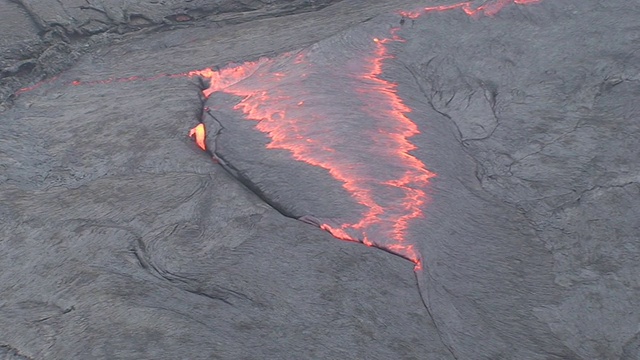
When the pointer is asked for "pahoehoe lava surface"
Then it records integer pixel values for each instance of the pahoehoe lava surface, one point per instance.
(336, 116)
(494, 144)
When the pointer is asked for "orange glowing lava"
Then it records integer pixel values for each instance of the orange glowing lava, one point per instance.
(199, 134)
(221, 79)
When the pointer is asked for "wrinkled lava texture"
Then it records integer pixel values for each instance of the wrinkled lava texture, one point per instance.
(180, 190)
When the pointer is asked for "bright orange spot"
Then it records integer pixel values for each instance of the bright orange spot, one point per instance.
(418, 266)
(367, 242)
(337, 233)
(199, 133)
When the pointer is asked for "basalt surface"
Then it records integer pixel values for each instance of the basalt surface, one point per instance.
(489, 148)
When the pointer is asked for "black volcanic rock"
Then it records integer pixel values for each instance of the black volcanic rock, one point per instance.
(121, 239)
(42, 38)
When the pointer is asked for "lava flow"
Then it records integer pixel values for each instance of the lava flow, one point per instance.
(374, 166)
(287, 109)
(341, 115)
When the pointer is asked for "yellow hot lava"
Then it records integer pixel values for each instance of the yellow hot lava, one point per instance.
(199, 134)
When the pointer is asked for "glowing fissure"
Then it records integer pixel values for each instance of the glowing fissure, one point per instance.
(35, 86)
(416, 177)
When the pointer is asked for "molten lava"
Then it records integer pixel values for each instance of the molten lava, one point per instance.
(200, 135)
